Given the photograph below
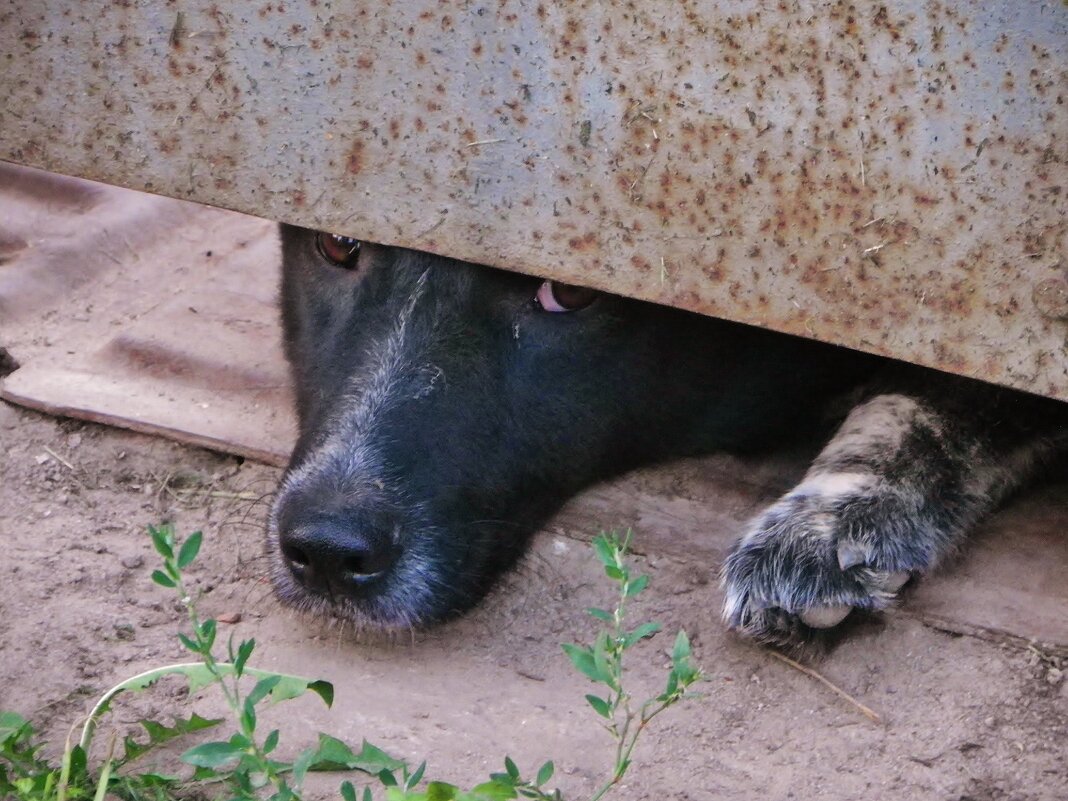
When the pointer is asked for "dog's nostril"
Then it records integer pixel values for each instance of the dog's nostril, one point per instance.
(368, 562)
(295, 556)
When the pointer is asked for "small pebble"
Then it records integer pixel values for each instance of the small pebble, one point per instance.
(133, 562)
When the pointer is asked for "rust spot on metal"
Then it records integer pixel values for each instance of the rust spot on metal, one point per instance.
(354, 164)
(587, 241)
(640, 263)
(1050, 297)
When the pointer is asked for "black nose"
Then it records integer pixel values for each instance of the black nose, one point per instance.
(337, 553)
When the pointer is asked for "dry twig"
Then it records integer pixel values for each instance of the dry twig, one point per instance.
(867, 712)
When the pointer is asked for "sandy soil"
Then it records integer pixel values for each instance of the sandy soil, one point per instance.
(964, 719)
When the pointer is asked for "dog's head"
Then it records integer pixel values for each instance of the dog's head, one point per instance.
(447, 410)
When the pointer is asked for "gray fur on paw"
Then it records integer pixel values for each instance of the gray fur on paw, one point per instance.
(823, 550)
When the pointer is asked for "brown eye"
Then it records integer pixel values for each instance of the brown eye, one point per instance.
(337, 249)
(556, 297)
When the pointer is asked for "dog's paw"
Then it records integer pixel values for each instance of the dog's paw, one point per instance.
(833, 544)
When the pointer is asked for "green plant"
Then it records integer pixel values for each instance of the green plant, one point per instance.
(245, 765)
(602, 662)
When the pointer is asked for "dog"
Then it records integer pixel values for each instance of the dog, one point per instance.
(447, 410)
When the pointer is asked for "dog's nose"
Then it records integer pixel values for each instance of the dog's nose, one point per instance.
(338, 553)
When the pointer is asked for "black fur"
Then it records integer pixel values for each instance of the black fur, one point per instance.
(444, 416)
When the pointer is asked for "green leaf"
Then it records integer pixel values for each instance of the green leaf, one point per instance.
(581, 657)
(247, 716)
(302, 764)
(244, 651)
(440, 791)
(212, 755)
(293, 686)
(204, 774)
(414, 779)
(271, 742)
(14, 728)
(77, 762)
(491, 791)
(158, 734)
(600, 706)
(545, 772)
(605, 549)
(323, 689)
(601, 661)
(190, 643)
(333, 754)
(672, 686)
(601, 614)
(263, 687)
(199, 676)
(682, 648)
(614, 572)
(348, 792)
(189, 550)
(367, 794)
(511, 769)
(636, 586)
(371, 757)
(163, 580)
(640, 633)
(163, 539)
(207, 634)
(241, 780)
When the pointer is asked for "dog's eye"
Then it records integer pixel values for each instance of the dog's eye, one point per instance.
(556, 297)
(336, 249)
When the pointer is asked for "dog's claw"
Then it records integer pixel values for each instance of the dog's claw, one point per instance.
(850, 555)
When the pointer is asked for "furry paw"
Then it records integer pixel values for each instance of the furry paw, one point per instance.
(834, 544)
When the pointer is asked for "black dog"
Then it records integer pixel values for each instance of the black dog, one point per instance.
(447, 410)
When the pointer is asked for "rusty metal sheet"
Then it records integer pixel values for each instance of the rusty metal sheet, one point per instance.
(889, 176)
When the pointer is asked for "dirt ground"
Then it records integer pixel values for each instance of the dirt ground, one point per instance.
(964, 718)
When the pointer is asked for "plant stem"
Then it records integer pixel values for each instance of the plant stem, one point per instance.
(232, 695)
